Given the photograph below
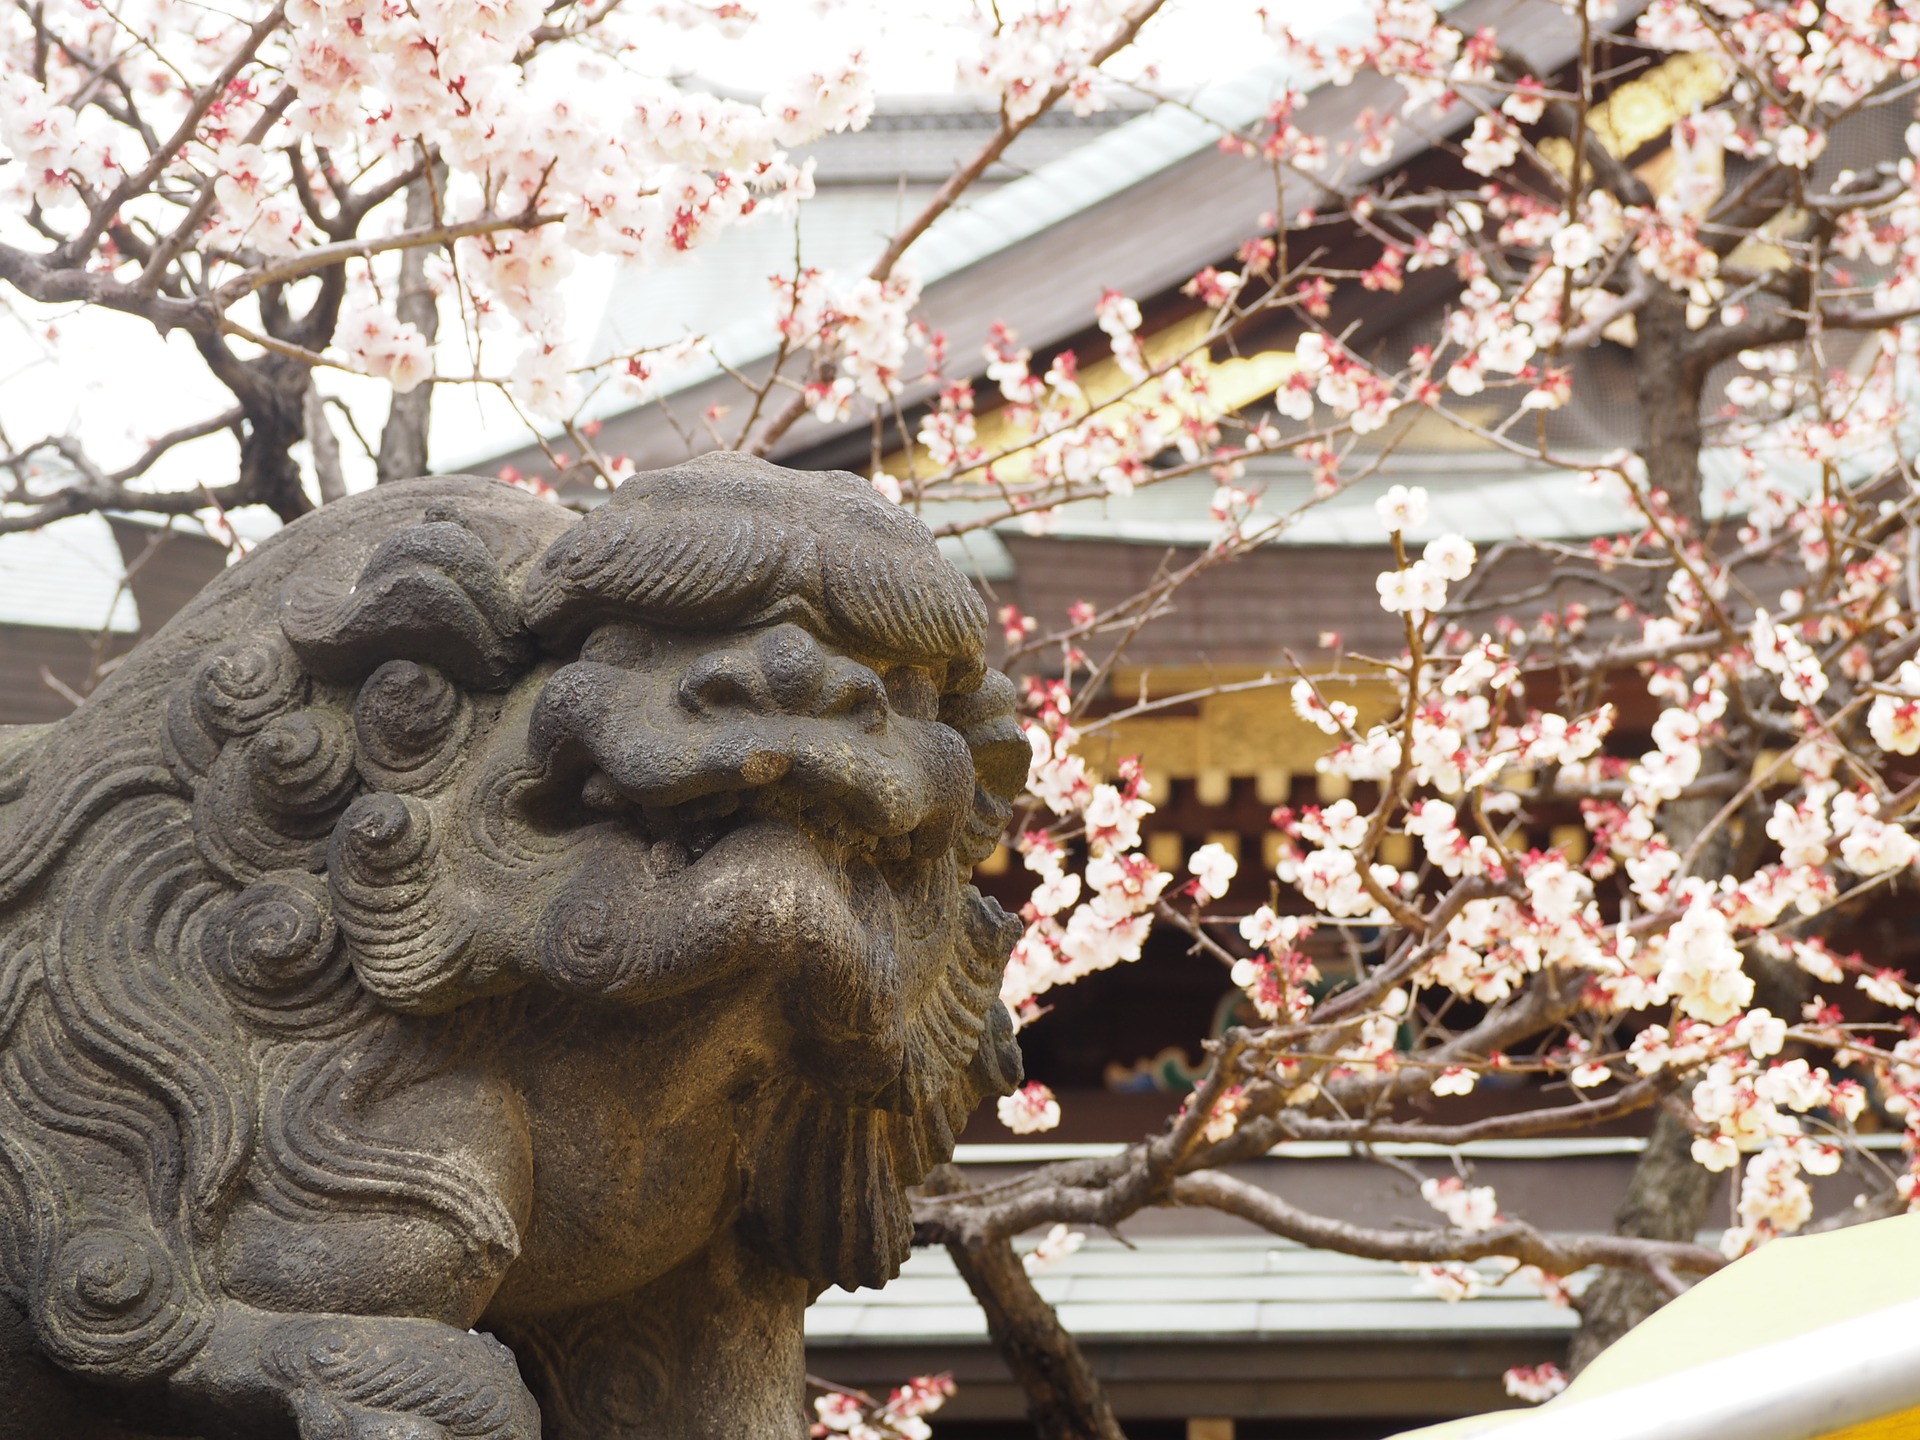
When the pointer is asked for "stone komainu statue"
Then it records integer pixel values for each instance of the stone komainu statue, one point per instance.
(465, 920)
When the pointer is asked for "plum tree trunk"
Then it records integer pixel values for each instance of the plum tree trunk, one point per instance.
(1668, 1197)
(1065, 1400)
(1666, 1200)
(403, 442)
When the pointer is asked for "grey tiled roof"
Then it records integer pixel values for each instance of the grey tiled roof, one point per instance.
(924, 139)
(66, 577)
(1188, 1288)
(1048, 296)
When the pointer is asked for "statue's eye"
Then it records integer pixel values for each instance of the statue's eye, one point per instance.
(624, 644)
(912, 693)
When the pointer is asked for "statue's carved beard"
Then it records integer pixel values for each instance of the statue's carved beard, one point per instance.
(894, 971)
(828, 1154)
(885, 969)
(851, 947)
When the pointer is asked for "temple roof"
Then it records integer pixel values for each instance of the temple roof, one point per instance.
(66, 576)
(1139, 208)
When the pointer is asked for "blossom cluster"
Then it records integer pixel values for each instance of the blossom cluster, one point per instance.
(549, 146)
(1668, 996)
(1070, 432)
(858, 334)
(901, 1416)
(1083, 921)
(1027, 50)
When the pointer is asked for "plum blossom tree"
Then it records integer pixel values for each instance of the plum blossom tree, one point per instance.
(305, 186)
(1685, 960)
(1726, 692)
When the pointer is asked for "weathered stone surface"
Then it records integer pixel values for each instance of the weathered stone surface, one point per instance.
(470, 921)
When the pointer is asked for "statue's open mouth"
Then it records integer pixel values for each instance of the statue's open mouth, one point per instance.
(869, 785)
(680, 835)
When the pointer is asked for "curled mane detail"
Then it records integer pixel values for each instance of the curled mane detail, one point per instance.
(179, 1019)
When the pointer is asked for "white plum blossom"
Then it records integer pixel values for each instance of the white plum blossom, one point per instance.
(1118, 317)
(805, 107)
(1492, 146)
(1700, 965)
(1558, 893)
(1030, 1109)
(1372, 757)
(1873, 847)
(1261, 982)
(900, 1417)
(1447, 1280)
(1664, 772)
(858, 330)
(1340, 825)
(1763, 1033)
(1058, 774)
(1113, 820)
(1774, 1200)
(1418, 589)
(1583, 1071)
(1402, 508)
(1796, 147)
(1213, 869)
(1795, 1085)
(543, 381)
(1894, 719)
(1224, 1118)
(1056, 1245)
(254, 207)
(1472, 1208)
(1886, 987)
(1330, 879)
(1779, 650)
(1024, 52)
(1534, 1383)
(1574, 245)
(840, 1414)
(1451, 556)
(1738, 1113)
(384, 346)
(1802, 832)
(1485, 666)
(1266, 930)
(1055, 893)
(1330, 717)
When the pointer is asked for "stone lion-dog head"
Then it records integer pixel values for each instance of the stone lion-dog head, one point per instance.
(465, 914)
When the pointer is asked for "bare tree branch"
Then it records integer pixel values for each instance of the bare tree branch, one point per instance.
(1553, 1253)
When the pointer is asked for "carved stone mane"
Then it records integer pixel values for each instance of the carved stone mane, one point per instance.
(467, 917)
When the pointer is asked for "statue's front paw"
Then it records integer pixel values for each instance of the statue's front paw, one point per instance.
(391, 1379)
(322, 1417)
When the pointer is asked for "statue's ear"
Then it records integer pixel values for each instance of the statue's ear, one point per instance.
(431, 594)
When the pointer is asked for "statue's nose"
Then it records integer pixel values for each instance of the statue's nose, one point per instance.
(783, 672)
(723, 683)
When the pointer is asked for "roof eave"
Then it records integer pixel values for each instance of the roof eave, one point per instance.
(1192, 211)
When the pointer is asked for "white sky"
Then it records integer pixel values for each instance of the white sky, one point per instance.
(912, 43)
(111, 381)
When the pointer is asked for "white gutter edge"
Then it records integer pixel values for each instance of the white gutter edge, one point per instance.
(1866, 1368)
